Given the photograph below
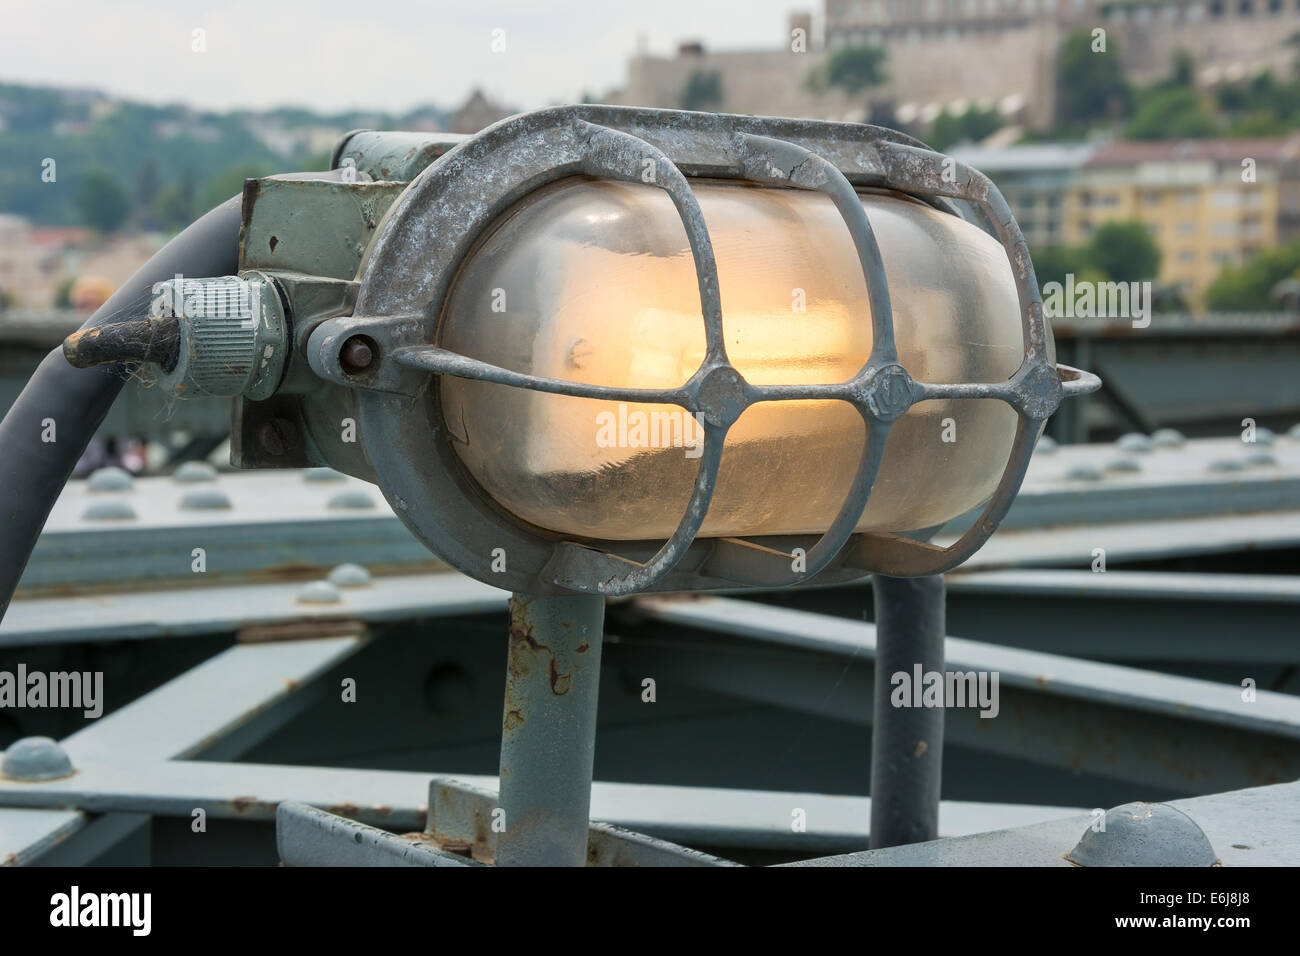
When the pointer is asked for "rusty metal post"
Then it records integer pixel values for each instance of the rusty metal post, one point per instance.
(906, 742)
(548, 736)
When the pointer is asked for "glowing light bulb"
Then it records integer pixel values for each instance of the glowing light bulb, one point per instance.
(593, 281)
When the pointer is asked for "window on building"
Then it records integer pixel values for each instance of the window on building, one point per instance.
(1216, 8)
(1187, 228)
(1187, 256)
(1151, 197)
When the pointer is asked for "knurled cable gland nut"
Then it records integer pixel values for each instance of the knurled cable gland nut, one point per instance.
(232, 336)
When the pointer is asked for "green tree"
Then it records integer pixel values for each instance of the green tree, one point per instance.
(1260, 106)
(703, 90)
(173, 209)
(1125, 252)
(1052, 263)
(102, 201)
(975, 124)
(1249, 288)
(1172, 113)
(854, 69)
(230, 182)
(1184, 70)
(146, 182)
(1090, 84)
(63, 293)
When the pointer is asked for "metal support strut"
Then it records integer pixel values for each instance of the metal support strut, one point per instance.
(906, 742)
(548, 736)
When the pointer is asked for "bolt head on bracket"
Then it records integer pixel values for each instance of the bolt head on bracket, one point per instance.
(1145, 834)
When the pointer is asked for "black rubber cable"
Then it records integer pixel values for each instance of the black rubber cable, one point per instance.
(50, 424)
(34, 470)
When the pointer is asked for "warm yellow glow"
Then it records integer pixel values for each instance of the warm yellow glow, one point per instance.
(594, 282)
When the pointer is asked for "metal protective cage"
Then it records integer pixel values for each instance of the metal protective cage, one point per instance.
(409, 267)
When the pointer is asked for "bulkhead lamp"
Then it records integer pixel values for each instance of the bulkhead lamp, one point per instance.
(606, 350)
(597, 286)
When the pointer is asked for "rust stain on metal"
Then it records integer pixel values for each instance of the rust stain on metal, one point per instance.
(478, 850)
(560, 683)
(344, 810)
(305, 630)
(522, 647)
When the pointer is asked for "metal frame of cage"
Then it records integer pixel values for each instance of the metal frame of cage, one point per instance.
(452, 202)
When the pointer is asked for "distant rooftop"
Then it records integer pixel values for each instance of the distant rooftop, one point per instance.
(1026, 157)
(1230, 151)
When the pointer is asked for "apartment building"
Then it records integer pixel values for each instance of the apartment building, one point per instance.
(1036, 180)
(1207, 203)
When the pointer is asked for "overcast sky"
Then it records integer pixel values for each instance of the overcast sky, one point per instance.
(339, 54)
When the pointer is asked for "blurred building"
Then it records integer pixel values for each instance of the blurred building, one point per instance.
(1227, 38)
(37, 262)
(1036, 180)
(478, 112)
(774, 81)
(1208, 203)
(996, 70)
(952, 54)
